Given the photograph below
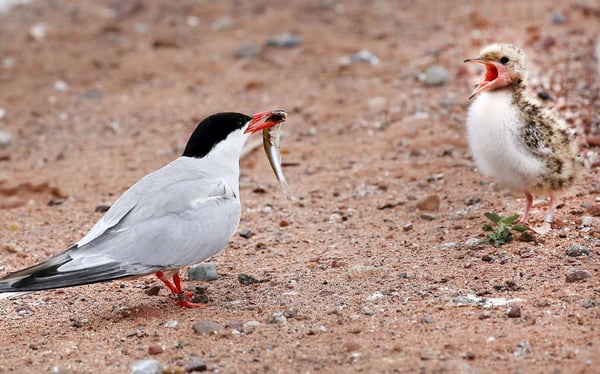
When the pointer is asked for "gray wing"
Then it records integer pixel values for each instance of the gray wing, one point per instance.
(173, 217)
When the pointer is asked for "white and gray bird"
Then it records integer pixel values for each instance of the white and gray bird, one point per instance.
(524, 146)
(176, 216)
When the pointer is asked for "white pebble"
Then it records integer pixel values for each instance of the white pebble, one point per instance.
(61, 86)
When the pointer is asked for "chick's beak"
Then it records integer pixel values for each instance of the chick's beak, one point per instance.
(490, 79)
(264, 120)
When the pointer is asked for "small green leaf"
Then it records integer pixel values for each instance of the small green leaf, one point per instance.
(493, 217)
(487, 227)
(510, 220)
(519, 228)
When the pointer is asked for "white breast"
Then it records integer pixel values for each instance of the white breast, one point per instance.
(493, 124)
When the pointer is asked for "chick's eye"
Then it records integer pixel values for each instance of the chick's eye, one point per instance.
(504, 60)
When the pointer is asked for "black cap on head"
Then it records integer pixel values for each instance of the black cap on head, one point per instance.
(211, 131)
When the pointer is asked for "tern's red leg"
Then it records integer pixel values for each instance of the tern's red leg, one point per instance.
(167, 282)
(528, 203)
(182, 295)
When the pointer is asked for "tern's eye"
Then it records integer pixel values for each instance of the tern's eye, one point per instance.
(504, 60)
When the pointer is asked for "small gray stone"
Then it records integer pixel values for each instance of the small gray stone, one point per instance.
(196, 366)
(284, 41)
(203, 272)
(449, 245)
(577, 251)
(522, 348)
(474, 242)
(558, 18)
(429, 355)
(146, 367)
(587, 221)
(206, 327)
(428, 216)
(92, 94)
(246, 279)
(250, 326)
(364, 56)
(5, 139)
(435, 76)
(246, 233)
(277, 318)
(246, 50)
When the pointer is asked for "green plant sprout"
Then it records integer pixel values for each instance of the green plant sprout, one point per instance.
(502, 234)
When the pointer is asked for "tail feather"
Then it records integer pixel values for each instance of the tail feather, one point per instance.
(47, 275)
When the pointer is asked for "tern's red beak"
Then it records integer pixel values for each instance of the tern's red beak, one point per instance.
(495, 75)
(264, 120)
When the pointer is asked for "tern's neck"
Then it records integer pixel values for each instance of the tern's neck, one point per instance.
(228, 151)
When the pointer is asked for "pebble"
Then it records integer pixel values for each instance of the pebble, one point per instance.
(153, 291)
(250, 326)
(426, 320)
(246, 279)
(196, 366)
(171, 324)
(364, 56)
(5, 139)
(587, 221)
(206, 327)
(286, 40)
(146, 367)
(514, 311)
(246, 50)
(449, 245)
(276, 318)
(92, 94)
(577, 276)
(522, 348)
(377, 103)
(427, 216)
(429, 355)
(430, 203)
(37, 32)
(246, 233)
(474, 242)
(61, 86)
(558, 18)
(375, 296)
(155, 349)
(435, 76)
(351, 346)
(203, 272)
(2, 112)
(577, 251)
(102, 208)
(57, 201)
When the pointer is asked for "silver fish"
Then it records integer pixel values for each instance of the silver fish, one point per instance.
(271, 144)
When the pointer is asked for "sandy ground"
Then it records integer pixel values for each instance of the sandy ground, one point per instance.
(94, 95)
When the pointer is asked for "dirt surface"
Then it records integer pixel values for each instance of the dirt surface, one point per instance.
(98, 94)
